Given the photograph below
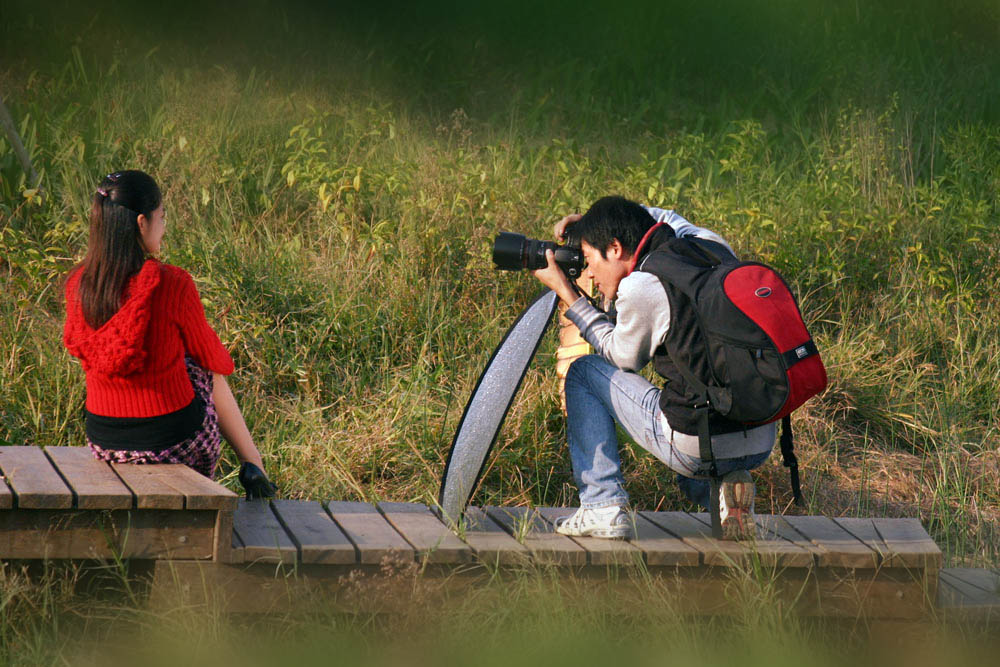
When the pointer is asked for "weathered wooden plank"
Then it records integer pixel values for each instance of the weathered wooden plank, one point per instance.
(492, 544)
(150, 491)
(693, 533)
(600, 551)
(968, 587)
(987, 581)
(776, 526)
(768, 548)
(167, 534)
(864, 530)
(373, 536)
(93, 483)
(660, 547)
(6, 496)
(263, 537)
(35, 483)
(318, 538)
(222, 550)
(263, 588)
(839, 547)
(433, 541)
(198, 491)
(239, 548)
(780, 542)
(909, 544)
(144, 534)
(545, 546)
(949, 597)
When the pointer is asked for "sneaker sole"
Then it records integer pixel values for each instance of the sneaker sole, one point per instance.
(739, 523)
(620, 533)
(611, 533)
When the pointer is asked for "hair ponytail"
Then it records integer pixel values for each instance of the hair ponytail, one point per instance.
(114, 250)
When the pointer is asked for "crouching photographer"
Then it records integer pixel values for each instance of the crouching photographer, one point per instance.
(616, 238)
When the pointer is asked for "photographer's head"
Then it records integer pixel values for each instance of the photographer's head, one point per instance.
(608, 235)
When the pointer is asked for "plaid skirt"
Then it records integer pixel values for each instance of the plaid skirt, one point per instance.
(200, 452)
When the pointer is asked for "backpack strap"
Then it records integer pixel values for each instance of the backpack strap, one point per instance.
(703, 410)
(708, 461)
(788, 458)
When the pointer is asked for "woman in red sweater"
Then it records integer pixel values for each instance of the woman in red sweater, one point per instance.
(155, 369)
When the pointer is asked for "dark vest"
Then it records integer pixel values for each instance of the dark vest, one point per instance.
(677, 399)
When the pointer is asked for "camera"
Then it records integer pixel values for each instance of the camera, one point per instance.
(515, 252)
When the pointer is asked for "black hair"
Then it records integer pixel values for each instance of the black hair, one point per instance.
(114, 250)
(611, 218)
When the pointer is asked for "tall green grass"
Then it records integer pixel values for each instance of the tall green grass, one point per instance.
(334, 179)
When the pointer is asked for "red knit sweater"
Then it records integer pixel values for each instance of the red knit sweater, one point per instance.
(135, 361)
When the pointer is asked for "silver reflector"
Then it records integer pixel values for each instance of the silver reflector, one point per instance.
(489, 403)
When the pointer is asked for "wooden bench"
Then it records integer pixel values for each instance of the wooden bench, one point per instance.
(881, 568)
(62, 503)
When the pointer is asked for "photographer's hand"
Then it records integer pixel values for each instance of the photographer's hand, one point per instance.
(554, 278)
(560, 229)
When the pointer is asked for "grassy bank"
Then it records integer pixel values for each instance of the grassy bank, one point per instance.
(335, 177)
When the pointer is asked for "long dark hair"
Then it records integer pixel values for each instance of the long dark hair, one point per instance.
(114, 251)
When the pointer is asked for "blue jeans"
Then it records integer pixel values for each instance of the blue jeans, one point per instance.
(597, 395)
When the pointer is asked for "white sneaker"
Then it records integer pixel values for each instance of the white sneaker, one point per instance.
(607, 522)
(736, 506)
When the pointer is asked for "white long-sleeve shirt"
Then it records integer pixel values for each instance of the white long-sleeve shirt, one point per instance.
(641, 326)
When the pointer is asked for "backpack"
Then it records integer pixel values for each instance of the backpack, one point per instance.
(738, 341)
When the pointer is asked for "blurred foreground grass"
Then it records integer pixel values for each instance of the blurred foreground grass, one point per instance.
(335, 176)
(533, 617)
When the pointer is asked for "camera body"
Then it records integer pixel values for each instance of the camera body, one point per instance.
(516, 252)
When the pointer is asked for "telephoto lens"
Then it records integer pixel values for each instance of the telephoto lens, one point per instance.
(516, 252)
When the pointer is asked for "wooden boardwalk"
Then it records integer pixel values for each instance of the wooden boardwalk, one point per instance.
(60, 503)
(886, 568)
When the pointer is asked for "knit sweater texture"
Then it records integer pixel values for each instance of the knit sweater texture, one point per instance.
(134, 363)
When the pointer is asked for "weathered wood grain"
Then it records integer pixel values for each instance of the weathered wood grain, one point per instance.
(545, 546)
(373, 536)
(977, 586)
(770, 547)
(78, 534)
(264, 539)
(150, 491)
(434, 542)
(223, 546)
(864, 530)
(258, 588)
(775, 526)
(491, 543)
(238, 554)
(909, 544)
(199, 492)
(318, 538)
(6, 496)
(33, 479)
(660, 547)
(969, 594)
(839, 547)
(693, 533)
(600, 551)
(93, 483)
